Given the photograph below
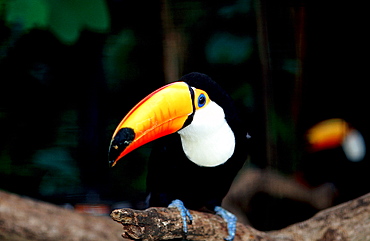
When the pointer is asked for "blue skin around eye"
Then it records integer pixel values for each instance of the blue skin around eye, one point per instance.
(200, 101)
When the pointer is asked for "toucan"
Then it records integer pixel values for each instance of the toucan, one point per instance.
(200, 146)
(336, 132)
(336, 153)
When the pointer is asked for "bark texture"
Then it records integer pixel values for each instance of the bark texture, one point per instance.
(26, 219)
(348, 221)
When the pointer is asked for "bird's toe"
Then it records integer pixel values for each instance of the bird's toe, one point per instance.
(230, 219)
(185, 214)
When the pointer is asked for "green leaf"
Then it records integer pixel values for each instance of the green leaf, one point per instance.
(95, 15)
(69, 17)
(64, 21)
(27, 13)
(65, 18)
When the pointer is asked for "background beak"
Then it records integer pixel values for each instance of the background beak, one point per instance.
(161, 113)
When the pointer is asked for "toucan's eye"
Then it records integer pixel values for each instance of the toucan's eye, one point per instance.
(201, 100)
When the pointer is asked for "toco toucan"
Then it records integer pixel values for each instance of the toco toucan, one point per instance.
(202, 146)
(336, 132)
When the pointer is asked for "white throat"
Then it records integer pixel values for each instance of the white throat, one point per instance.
(208, 141)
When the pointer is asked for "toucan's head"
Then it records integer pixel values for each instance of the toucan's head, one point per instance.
(334, 133)
(187, 107)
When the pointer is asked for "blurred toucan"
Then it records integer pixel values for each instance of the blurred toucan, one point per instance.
(336, 132)
(336, 153)
(202, 148)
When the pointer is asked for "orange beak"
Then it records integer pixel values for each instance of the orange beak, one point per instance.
(161, 113)
(327, 134)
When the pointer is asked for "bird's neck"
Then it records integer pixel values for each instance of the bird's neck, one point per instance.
(208, 145)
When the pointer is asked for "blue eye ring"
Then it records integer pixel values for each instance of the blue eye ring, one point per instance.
(202, 100)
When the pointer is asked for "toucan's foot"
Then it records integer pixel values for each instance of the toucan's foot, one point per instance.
(185, 214)
(230, 219)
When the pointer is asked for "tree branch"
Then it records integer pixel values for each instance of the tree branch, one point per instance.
(24, 219)
(348, 221)
(166, 223)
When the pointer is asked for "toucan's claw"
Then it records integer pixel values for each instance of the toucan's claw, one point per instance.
(185, 214)
(230, 219)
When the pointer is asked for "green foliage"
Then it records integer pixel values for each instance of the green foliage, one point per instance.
(245, 95)
(61, 172)
(69, 17)
(5, 163)
(291, 65)
(240, 7)
(226, 48)
(28, 13)
(117, 57)
(186, 13)
(218, 39)
(65, 18)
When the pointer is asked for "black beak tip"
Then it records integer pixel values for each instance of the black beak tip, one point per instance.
(111, 162)
(121, 140)
(111, 159)
(113, 154)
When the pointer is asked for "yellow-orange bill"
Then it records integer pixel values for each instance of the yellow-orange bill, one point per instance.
(161, 113)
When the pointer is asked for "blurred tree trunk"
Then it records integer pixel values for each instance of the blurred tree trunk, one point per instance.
(173, 45)
(281, 60)
(264, 55)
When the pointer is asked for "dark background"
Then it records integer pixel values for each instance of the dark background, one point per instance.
(70, 70)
